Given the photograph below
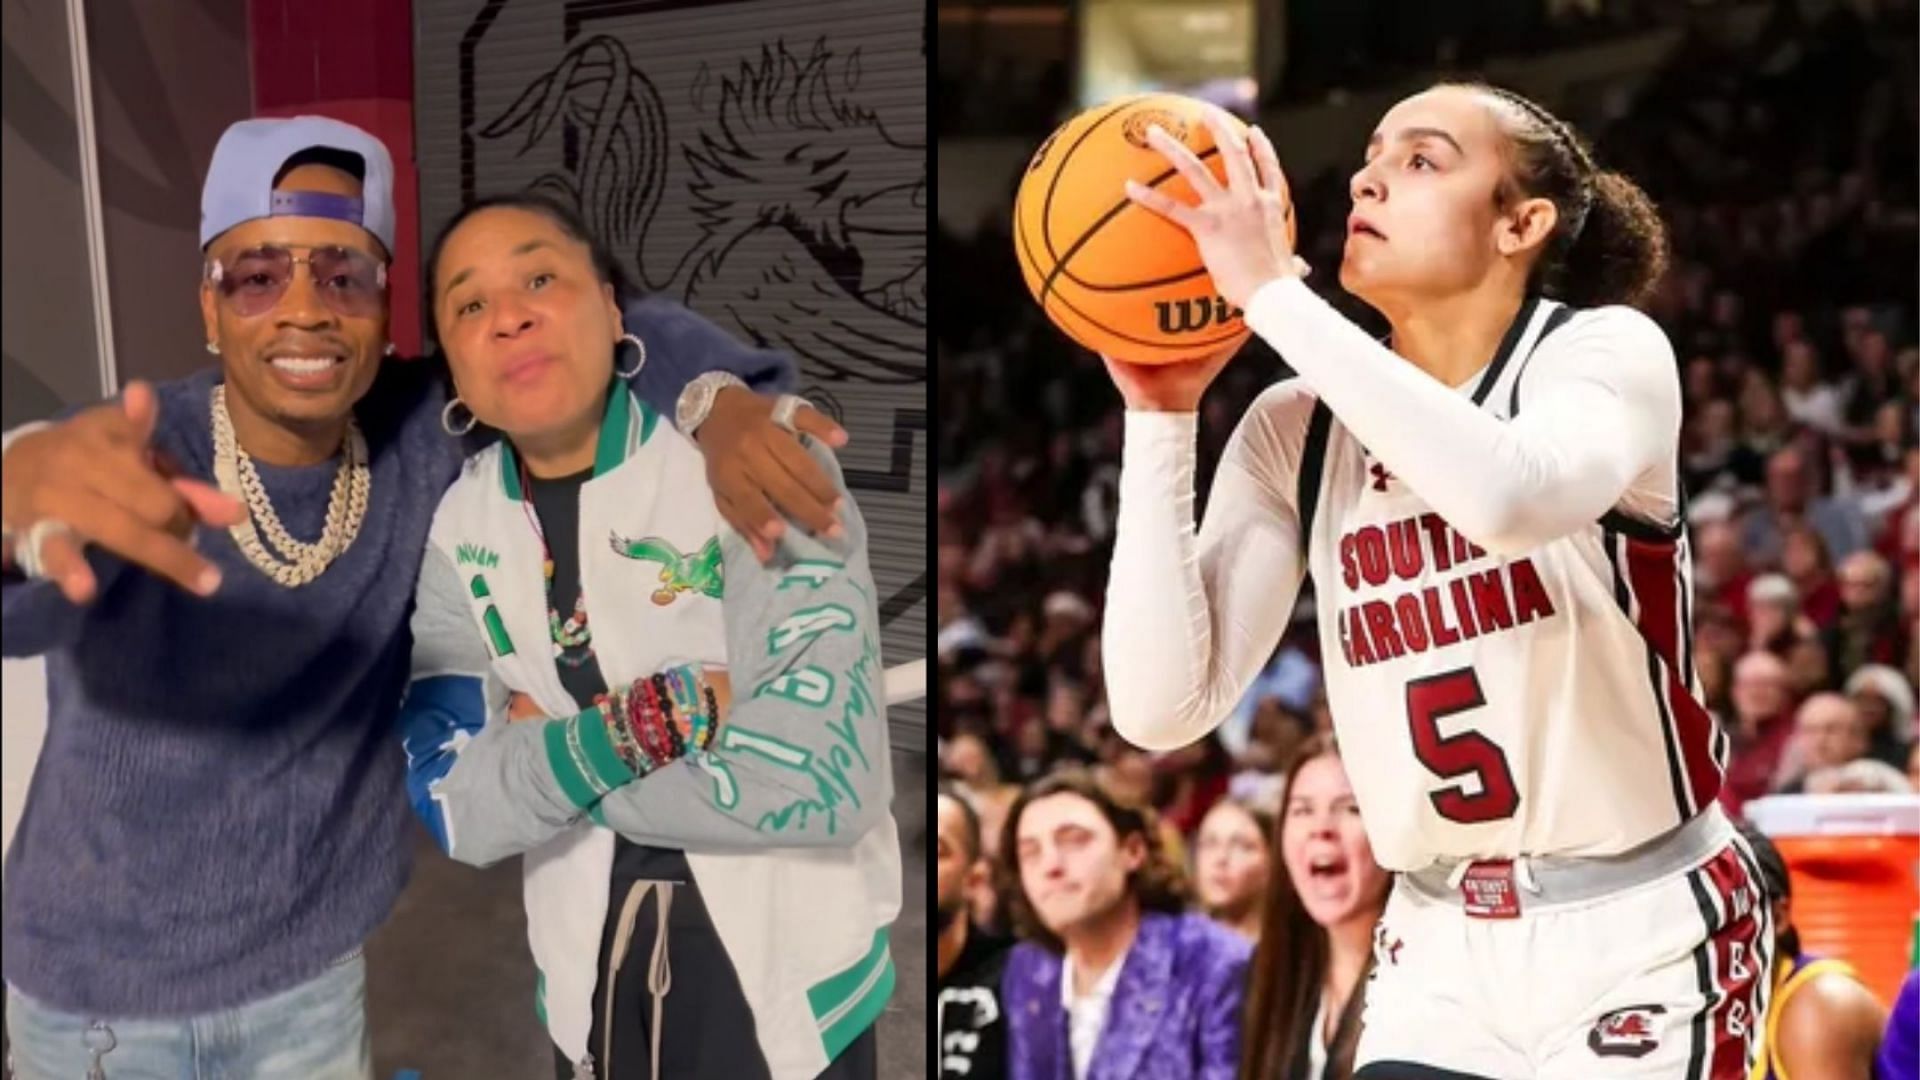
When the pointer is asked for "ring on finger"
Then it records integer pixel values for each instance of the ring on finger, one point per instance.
(784, 409)
(27, 557)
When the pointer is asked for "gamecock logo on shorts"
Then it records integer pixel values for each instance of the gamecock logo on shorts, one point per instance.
(1626, 1032)
(1134, 128)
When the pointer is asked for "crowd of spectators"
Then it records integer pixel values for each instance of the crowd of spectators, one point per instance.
(992, 82)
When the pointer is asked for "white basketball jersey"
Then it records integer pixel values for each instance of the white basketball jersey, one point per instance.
(1491, 707)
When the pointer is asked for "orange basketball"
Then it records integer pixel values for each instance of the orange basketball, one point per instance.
(1114, 277)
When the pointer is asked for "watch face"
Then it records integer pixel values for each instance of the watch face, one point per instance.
(694, 406)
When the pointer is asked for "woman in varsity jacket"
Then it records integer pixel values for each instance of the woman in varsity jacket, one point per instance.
(687, 742)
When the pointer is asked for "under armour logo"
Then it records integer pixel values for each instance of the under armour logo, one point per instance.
(1380, 476)
(1382, 947)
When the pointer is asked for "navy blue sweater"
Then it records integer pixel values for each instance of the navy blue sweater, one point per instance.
(220, 806)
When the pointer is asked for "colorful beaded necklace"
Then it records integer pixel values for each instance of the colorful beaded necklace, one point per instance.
(574, 633)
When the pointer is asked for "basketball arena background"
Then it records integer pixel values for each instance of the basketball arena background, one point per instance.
(765, 161)
(1779, 139)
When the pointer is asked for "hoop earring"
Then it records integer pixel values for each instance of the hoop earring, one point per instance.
(637, 364)
(446, 418)
(213, 348)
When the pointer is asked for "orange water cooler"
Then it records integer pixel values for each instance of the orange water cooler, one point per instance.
(1855, 865)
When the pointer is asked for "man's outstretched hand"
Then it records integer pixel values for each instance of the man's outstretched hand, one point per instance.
(97, 474)
(754, 465)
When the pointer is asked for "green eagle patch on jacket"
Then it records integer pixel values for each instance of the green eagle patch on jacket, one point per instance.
(699, 572)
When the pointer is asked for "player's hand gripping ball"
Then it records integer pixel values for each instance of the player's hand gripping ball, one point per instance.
(1114, 275)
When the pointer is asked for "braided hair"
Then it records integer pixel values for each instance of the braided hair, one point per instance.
(1609, 245)
(1775, 884)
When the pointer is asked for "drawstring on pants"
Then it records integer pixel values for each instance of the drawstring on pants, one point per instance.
(99, 1041)
(659, 973)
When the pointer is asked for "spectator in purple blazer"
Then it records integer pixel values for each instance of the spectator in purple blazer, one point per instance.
(1900, 1048)
(1113, 981)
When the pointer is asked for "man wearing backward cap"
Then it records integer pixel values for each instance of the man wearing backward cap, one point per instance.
(218, 571)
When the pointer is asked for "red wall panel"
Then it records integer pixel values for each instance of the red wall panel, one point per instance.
(351, 60)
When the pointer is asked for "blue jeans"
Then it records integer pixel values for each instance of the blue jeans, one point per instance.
(315, 1031)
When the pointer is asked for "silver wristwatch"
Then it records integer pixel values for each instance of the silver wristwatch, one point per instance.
(696, 401)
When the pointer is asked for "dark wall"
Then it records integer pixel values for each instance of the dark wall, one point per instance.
(351, 60)
(46, 361)
(167, 80)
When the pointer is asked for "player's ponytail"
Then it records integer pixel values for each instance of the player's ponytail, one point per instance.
(1620, 253)
(1608, 245)
(1776, 885)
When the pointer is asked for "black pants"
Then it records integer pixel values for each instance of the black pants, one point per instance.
(859, 1061)
(707, 1027)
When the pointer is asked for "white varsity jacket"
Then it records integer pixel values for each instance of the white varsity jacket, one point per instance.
(786, 821)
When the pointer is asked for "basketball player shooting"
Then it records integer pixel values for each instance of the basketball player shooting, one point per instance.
(1490, 509)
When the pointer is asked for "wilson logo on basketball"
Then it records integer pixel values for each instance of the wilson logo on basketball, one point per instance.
(1191, 316)
(1134, 128)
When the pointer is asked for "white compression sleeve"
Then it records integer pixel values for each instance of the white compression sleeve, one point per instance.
(1600, 421)
(1191, 619)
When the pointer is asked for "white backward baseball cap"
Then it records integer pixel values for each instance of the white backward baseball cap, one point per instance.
(251, 155)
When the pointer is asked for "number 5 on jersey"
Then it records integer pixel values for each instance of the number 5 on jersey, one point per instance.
(1456, 757)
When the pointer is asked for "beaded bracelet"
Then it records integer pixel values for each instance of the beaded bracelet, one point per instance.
(674, 732)
(687, 682)
(708, 713)
(696, 723)
(700, 721)
(642, 709)
(672, 713)
(633, 700)
(676, 683)
(619, 725)
(670, 732)
(611, 705)
(652, 724)
(661, 718)
(713, 719)
(639, 704)
(686, 709)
